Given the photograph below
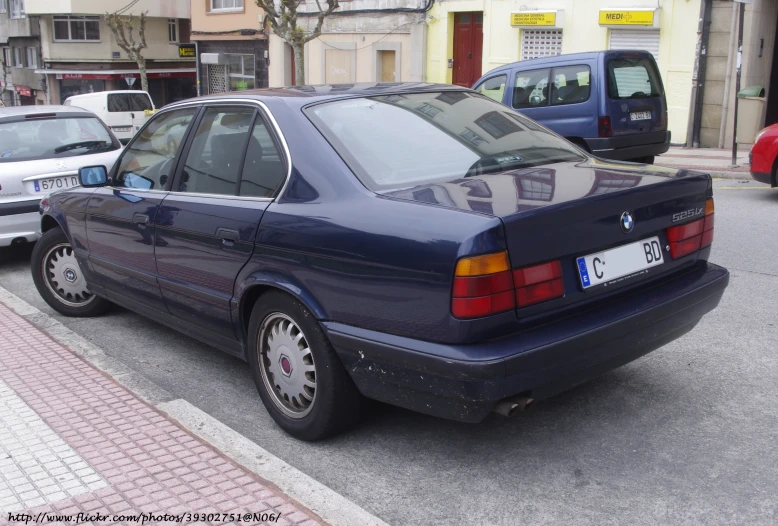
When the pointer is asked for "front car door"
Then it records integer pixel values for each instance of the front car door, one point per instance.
(207, 224)
(120, 217)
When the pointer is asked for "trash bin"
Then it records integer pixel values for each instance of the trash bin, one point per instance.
(750, 113)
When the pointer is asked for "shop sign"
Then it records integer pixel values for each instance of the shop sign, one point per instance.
(626, 18)
(24, 92)
(532, 19)
(186, 51)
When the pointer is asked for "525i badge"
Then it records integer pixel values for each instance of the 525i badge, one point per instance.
(680, 216)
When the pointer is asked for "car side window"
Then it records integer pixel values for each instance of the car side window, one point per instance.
(571, 85)
(264, 169)
(213, 164)
(494, 88)
(148, 160)
(531, 89)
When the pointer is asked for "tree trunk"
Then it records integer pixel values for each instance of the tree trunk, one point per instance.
(144, 81)
(299, 63)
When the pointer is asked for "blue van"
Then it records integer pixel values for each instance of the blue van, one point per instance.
(610, 103)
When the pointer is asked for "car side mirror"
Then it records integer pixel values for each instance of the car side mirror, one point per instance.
(92, 176)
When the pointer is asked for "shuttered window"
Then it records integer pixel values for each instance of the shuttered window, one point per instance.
(537, 43)
(642, 39)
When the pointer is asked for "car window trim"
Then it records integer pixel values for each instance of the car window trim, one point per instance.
(275, 129)
(114, 170)
(500, 74)
(183, 154)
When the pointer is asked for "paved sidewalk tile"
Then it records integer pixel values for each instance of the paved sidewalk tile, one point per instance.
(74, 441)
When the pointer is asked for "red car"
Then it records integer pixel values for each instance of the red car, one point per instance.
(763, 156)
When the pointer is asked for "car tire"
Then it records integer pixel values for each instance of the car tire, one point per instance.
(59, 279)
(297, 372)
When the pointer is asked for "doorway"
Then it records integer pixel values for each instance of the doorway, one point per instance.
(387, 65)
(771, 113)
(468, 48)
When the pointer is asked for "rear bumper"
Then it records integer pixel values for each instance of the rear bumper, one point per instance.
(463, 382)
(764, 177)
(626, 147)
(19, 221)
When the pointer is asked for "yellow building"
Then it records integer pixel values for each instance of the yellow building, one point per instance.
(466, 38)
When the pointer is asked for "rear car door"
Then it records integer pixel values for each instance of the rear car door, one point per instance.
(120, 217)
(635, 94)
(206, 226)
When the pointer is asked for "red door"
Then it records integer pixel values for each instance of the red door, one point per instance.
(468, 48)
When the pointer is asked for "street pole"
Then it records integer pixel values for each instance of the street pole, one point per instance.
(737, 80)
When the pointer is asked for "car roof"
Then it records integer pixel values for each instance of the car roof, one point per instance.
(302, 95)
(584, 55)
(15, 113)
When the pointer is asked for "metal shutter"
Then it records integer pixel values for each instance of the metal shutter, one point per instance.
(217, 78)
(536, 43)
(643, 39)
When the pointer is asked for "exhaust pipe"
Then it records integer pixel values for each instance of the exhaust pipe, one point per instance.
(512, 405)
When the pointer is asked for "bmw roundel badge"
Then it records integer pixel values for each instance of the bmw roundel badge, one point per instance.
(627, 223)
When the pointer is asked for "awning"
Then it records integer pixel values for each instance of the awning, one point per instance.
(117, 74)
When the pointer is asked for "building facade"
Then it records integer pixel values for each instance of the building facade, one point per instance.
(20, 55)
(79, 53)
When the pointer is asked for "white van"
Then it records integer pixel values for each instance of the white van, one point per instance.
(124, 111)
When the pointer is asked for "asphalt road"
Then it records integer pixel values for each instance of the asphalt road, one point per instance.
(685, 435)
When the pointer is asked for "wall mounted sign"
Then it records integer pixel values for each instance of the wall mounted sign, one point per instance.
(610, 17)
(533, 19)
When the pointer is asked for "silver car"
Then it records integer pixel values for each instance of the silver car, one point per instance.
(41, 150)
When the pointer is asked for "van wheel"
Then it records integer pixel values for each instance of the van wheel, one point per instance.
(298, 375)
(59, 280)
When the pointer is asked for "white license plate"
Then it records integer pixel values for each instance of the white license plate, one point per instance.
(640, 116)
(55, 183)
(122, 128)
(618, 262)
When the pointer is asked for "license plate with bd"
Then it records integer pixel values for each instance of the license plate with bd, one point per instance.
(55, 183)
(640, 116)
(618, 262)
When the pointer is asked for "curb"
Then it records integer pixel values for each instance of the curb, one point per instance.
(331, 506)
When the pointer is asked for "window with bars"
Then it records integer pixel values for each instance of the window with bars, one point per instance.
(172, 29)
(537, 43)
(77, 28)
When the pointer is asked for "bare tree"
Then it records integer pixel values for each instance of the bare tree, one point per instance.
(282, 16)
(123, 27)
(4, 70)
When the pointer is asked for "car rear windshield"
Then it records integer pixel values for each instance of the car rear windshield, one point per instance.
(633, 78)
(397, 141)
(128, 102)
(36, 139)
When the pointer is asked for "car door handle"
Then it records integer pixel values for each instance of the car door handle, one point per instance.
(141, 219)
(227, 235)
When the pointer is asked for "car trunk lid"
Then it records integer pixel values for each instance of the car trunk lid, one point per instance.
(635, 99)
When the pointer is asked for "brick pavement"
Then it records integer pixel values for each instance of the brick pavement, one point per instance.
(73, 440)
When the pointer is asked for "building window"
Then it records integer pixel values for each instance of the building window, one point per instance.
(6, 56)
(17, 9)
(172, 29)
(32, 57)
(226, 5)
(18, 58)
(240, 72)
(77, 28)
(3, 6)
(537, 43)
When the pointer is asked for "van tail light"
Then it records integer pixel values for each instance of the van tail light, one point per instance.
(538, 283)
(604, 128)
(483, 285)
(691, 237)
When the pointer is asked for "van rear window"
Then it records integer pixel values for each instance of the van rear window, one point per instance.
(128, 102)
(636, 78)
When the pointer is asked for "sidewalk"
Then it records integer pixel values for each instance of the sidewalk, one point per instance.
(712, 160)
(72, 441)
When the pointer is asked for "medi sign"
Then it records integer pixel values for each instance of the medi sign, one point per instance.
(626, 18)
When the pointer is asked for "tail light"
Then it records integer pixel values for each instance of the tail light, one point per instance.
(688, 238)
(538, 283)
(485, 285)
(604, 128)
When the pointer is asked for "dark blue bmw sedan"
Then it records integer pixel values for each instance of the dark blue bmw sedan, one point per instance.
(416, 244)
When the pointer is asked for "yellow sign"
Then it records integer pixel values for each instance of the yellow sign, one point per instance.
(626, 18)
(533, 19)
(186, 50)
